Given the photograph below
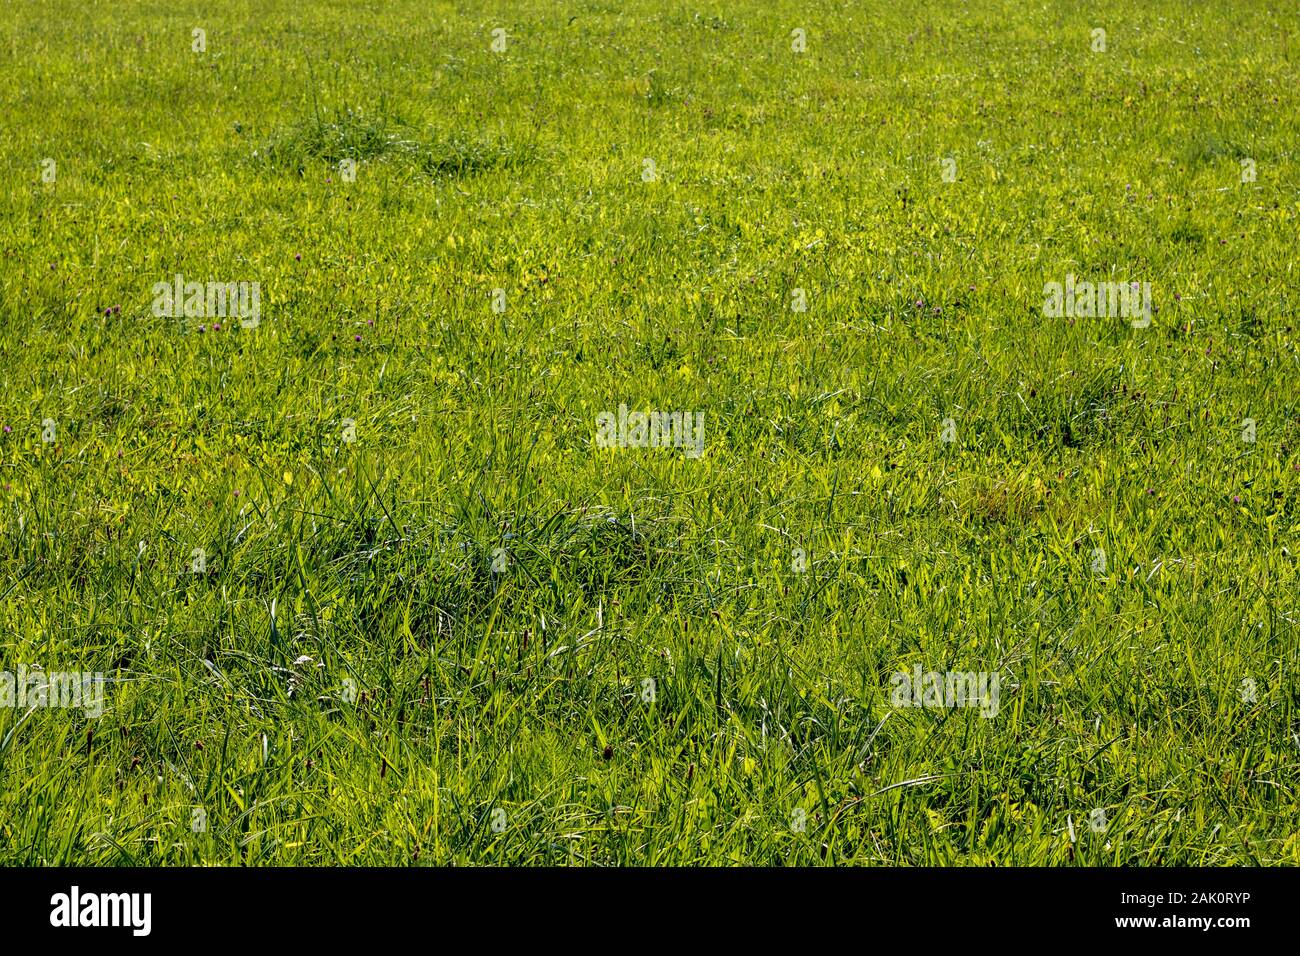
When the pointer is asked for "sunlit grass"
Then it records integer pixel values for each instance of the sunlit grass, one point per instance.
(635, 656)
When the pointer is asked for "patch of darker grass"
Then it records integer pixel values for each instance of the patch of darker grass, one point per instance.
(1088, 414)
(457, 157)
(1206, 148)
(352, 134)
(349, 134)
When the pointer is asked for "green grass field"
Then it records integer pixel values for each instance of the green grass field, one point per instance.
(362, 584)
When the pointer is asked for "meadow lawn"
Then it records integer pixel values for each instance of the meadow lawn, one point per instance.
(362, 585)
